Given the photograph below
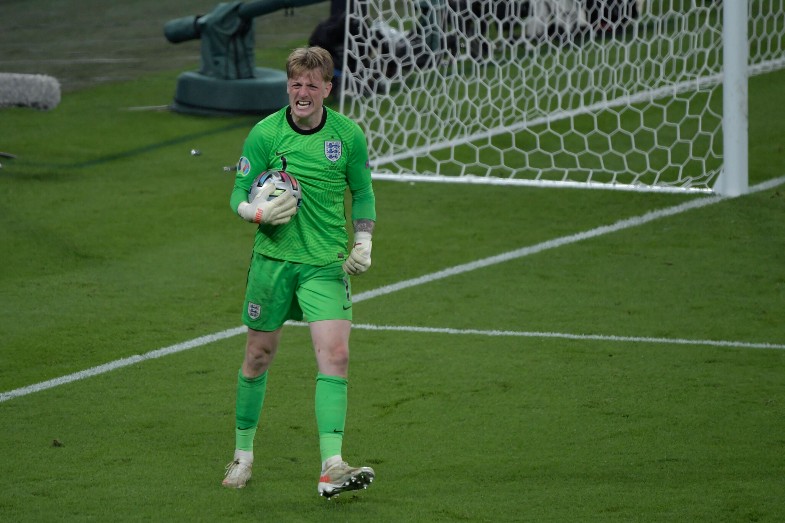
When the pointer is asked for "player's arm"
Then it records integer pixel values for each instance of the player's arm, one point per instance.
(359, 259)
(363, 208)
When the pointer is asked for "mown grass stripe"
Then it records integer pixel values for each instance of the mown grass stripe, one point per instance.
(428, 278)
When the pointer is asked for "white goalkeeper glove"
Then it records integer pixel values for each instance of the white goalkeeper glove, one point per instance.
(360, 258)
(277, 211)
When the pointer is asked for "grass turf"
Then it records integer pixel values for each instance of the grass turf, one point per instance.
(117, 241)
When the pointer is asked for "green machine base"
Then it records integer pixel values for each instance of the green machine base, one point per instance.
(199, 94)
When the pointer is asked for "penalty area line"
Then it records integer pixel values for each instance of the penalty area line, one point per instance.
(428, 278)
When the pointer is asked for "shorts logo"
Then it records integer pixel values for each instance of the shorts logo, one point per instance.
(243, 166)
(254, 310)
(332, 150)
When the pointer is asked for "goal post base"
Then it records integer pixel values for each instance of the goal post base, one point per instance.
(524, 182)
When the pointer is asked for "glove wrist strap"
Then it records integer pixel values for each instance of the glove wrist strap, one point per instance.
(362, 237)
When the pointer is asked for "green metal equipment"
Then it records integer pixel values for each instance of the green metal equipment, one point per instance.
(228, 82)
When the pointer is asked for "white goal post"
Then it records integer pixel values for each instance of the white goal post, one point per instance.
(624, 94)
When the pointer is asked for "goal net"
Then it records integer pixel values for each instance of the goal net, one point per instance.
(620, 94)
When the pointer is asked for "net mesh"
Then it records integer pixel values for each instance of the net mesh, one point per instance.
(615, 93)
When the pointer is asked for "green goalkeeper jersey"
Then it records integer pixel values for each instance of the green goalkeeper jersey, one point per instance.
(325, 161)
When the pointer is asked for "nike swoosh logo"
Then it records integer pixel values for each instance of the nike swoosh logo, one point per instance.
(278, 153)
(347, 307)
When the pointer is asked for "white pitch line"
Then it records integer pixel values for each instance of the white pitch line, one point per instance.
(118, 364)
(566, 336)
(540, 247)
(452, 271)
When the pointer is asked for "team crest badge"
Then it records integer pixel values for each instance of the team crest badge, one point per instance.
(254, 310)
(332, 150)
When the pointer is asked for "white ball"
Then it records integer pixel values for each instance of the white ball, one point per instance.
(283, 182)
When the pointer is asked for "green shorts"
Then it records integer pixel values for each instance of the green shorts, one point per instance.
(279, 290)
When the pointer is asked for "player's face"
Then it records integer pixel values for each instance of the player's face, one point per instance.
(306, 98)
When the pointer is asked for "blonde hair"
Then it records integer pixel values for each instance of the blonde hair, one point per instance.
(306, 59)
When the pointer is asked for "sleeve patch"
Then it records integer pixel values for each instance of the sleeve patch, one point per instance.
(243, 166)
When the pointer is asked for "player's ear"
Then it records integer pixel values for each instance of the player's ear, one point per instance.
(328, 87)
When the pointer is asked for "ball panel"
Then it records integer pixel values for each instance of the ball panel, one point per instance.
(283, 182)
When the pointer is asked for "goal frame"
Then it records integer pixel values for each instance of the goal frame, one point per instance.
(733, 177)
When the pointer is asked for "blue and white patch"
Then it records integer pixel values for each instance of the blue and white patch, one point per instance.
(243, 166)
(333, 150)
(254, 310)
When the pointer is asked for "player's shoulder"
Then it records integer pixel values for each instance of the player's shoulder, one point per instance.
(340, 120)
(273, 119)
(332, 113)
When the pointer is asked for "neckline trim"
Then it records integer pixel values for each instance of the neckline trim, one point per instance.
(298, 130)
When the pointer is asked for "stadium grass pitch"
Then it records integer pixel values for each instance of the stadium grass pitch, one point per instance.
(561, 385)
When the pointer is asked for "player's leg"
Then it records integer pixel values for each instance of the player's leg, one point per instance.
(260, 350)
(325, 297)
(269, 302)
(331, 346)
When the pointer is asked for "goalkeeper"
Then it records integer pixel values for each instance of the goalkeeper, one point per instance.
(300, 265)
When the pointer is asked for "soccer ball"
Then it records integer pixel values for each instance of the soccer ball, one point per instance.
(283, 182)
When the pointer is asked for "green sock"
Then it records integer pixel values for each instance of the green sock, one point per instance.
(250, 398)
(330, 402)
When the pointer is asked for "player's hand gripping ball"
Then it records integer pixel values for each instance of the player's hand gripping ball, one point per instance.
(281, 180)
(273, 199)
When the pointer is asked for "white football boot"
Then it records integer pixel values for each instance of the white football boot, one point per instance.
(340, 477)
(238, 471)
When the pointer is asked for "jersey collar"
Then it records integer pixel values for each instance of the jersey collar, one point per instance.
(305, 131)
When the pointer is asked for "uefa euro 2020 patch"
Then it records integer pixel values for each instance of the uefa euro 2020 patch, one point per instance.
(243, 166)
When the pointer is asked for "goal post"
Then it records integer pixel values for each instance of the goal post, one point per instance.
(645, 95)
(734, 178)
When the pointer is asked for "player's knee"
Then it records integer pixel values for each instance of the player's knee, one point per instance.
(258, 357)
(340, 357)
(335, 358)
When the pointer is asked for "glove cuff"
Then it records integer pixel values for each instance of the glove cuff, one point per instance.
(241, 208)
(362, 237)
(246, 211)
